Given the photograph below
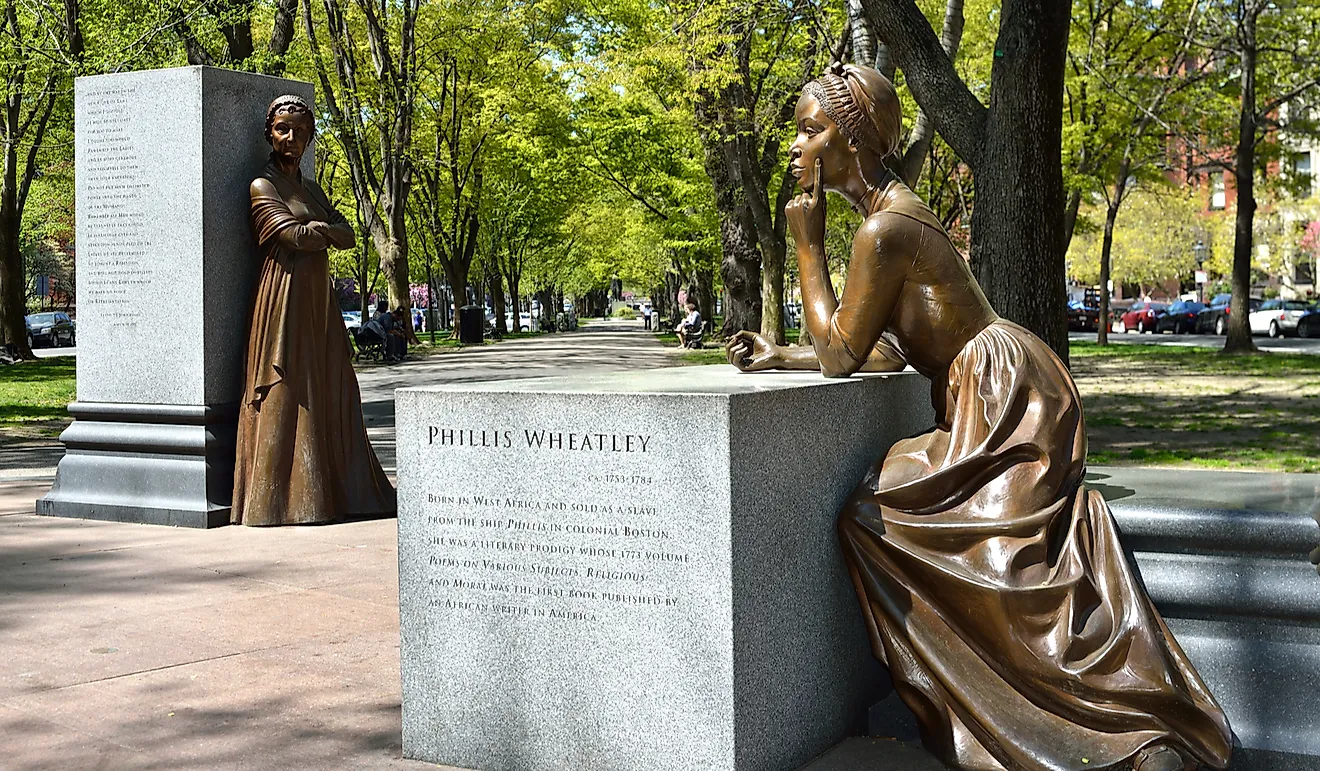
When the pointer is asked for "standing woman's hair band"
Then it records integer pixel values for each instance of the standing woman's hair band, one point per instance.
(287, 104)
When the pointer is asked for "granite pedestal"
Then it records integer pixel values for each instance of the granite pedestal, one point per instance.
(166, 269)
(1234, 576)
(636, 571)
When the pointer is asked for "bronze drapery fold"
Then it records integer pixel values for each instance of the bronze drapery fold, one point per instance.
(994, 586)
(303, 456)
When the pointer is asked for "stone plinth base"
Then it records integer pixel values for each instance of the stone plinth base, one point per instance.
(162, 214)
(157, 464)
(637, 571)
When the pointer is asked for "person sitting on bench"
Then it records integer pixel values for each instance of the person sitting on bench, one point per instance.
(690, 327)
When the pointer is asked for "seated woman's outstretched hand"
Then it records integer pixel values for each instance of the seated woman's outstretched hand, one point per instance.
(750, 352)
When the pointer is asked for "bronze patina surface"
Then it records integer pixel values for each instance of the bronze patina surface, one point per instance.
(303, 455)
(991, 580)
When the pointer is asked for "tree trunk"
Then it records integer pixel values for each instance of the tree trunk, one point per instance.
(923, 128)
(703, 289)
(364, 277)
(432, 318)
(13, 300)
(1106, 253)
(1070, 217)
(393, 251)
(1239, 326)
(11, 263)
(671, 292)
(514, 279)
(863, 39)
(1017, 223)
(495, 285)
(546, 297)
(457, 276)
(740, 264)
(772, 295)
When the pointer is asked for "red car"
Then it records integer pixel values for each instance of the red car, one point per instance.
(1142, 315)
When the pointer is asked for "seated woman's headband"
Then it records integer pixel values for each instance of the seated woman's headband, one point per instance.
(845, 96)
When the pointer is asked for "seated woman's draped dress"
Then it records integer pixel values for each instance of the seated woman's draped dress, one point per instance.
(992, 581)
(303, 455)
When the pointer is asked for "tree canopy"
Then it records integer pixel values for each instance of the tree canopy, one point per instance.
(506, 149)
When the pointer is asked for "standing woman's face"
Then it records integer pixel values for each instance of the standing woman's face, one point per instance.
(290, 133)
(818, 137)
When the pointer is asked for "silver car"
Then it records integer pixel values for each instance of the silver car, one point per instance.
(1277, 317)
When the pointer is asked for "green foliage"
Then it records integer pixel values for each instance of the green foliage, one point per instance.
(1153, 239)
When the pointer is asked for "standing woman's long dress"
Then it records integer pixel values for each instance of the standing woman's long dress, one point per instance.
(303, 455)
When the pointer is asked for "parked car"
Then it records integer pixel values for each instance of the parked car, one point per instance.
(52, 329)
(1082, 318)
(524, 322)
(352, 320)
(1277, 317)
(1180, 318)
(1141, 316)
(1214, 318)
(1309, 324)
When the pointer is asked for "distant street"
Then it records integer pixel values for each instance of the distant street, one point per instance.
(1282, 344)
(46, 353)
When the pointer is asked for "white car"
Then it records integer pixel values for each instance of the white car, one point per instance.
(352, 319)
(524, 322)
(1277, 317)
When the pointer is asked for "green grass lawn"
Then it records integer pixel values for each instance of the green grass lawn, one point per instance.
(1198, 360)
(1152, 405)
(37, 391)
(1176, 406)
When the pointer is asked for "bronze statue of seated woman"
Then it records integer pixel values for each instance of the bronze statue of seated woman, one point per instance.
(991, 580)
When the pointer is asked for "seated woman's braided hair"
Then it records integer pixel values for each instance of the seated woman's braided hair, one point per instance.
(288, 104)
(863, 103)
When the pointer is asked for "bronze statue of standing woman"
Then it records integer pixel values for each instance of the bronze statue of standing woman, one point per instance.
(991, 580)
(303, 455)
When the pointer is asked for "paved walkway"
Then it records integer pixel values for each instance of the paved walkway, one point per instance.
(598, 346)
(137, 647)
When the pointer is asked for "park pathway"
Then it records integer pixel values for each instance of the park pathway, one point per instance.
(598, 346)
(130, 646)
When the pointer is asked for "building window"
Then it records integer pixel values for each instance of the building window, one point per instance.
(1217, 190)
(1301, 164)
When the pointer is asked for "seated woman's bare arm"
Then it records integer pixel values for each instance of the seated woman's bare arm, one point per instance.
(743, 354)
(847, 340)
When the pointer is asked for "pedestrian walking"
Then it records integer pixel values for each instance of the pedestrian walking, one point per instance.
(646, 317)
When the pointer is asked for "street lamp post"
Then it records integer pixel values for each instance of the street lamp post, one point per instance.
(1199, 250)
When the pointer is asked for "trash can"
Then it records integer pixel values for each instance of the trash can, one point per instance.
(471, 324)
